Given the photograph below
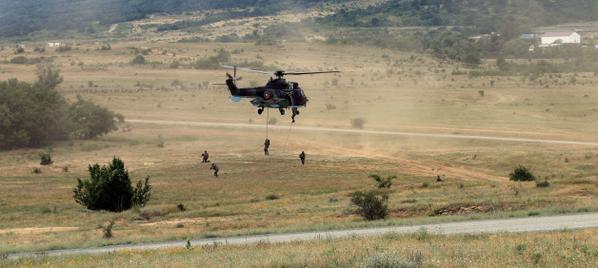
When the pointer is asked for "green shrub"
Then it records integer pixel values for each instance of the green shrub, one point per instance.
(181, 207)
(64, 48)
(106, 47)
(372, 205)
(272, 197)
(383, 182)
(521, 173)
(45, 159)
(213, 62)
(542, 184)
(109, 188)
(19, 60)
(536, 256)
(139, 59)
(358, 123)
(207, 63)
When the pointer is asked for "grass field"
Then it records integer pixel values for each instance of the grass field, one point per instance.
(557, 249)
(390, 90)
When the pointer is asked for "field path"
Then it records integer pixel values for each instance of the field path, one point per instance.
(529, 224)
(370, 132)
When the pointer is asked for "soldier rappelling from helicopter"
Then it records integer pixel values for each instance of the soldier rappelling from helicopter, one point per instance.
(267, 147)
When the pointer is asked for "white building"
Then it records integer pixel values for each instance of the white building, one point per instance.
(557, 38)
(54, 44)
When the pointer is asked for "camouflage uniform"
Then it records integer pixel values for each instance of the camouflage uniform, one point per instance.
(205, 156)
(302, 157)
(214, 167)
(267, 147)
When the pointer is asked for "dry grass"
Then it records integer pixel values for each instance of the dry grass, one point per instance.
(413, 98)
(556, 249)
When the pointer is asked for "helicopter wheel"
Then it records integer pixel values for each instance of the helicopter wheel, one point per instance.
(281, 111)
(260, 110)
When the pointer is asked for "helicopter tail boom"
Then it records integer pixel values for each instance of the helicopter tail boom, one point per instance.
(232, 87)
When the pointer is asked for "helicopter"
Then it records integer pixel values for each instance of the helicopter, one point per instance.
(278, 93)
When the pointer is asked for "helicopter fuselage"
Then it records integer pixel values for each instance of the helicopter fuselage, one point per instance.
(277, 93)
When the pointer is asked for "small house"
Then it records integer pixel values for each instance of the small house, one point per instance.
(558, 38)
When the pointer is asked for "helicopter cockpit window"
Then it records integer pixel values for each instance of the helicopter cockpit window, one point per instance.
(291, 86)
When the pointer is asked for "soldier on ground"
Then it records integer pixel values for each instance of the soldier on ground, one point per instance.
(267, 147)
(205, 157)
(302, 157)
(214, 167)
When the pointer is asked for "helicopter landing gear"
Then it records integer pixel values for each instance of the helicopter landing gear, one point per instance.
(260, 110)
(295, 113)
(281, 111)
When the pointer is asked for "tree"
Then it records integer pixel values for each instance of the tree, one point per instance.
(32, 115)
(372, 205)
(383, 182)
(109, 188)
(48, 75)
(89, 120)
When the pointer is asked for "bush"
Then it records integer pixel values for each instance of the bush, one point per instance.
(139, 59)
(372, 205)
(542, 184)
(521, 173)
(272, 197)
(213, 62)
(19, 60)
(358, 123)
(48, 75)
(36, 170)
(383, 182)
(181, 207)
(88, 120)
(391, 260)
(109, 188)
(63, 48)
(207, 63)
(106, 47)
(45, 159)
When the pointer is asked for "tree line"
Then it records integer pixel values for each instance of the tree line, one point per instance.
(36, 114)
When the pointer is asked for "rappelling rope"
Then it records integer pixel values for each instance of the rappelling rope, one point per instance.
(286, 143)
(267, 122)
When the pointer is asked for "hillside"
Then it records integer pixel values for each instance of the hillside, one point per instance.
(507, 17)
(22, 17)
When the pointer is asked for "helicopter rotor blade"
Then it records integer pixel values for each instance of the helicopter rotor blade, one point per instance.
(244, 69)
(306, 73)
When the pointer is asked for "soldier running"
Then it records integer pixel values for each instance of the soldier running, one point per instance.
(205, 157)
(267, 147)
(214, 167)
(302, 157)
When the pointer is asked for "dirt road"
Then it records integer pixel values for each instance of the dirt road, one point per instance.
(530, 224)
(370, 132)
